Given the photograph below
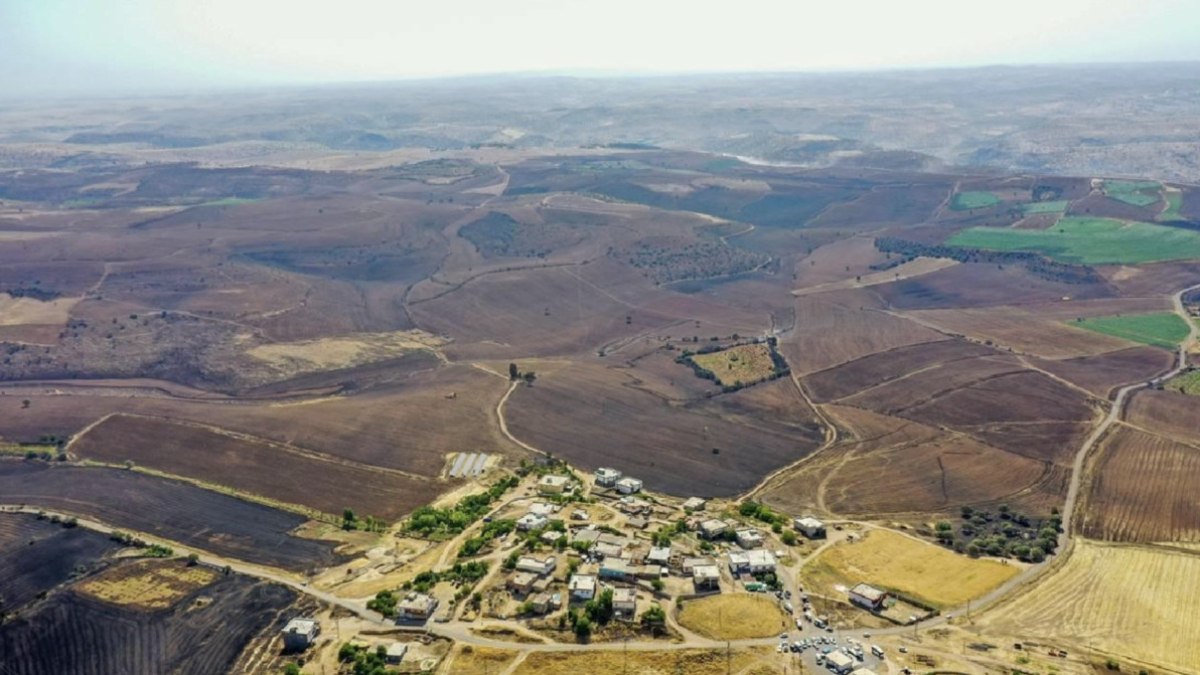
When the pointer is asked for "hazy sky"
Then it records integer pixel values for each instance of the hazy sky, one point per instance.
(73, 45)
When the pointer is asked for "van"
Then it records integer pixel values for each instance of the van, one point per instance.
(877, 651)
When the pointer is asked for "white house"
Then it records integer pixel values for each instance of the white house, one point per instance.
(706, 578)
(868, 597)
(625, 603)
(629, 485)
(606, 477)
(540, 567)
(839, 663)
(713, 528)
(582, 586)
(416, 607)
(552, 484)
(748, 537)
(531, 521)
(757, 561)
(810, 527)
(659, 555)
(299, 634)
(694, 504)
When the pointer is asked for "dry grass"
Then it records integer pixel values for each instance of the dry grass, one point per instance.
(472, 660)
(913, 567)
(744, 363)
(1127, 601)
(691, 661)
(342, 352)
(148, 585)
(21, 311)
(733, 616)
(914, 268)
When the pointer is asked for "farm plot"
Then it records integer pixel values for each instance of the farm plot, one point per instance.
(1144, 490)
(251, 465)
(1165, 329)
(591, 414)
(1103, 373)
(875, 369)
(1089, 241)
(37, 555)
(741, 365)
(169, 509)
(74, 633)
(733, 616)
(1036, 208)
(975, 199)
(691, 661)
(902, 563)
(1185, 383)
(1022, 329)
(1137, 193)
(1122, 600)
(149, 584)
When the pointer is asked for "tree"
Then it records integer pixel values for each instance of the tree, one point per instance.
(657, 584)
(193, 560)
(788, 538)
(291, 669)
(583, 628)
(529, 377)
(513, 371)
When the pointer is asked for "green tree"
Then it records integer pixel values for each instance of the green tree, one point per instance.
(291, 669)
(582, 628)
(788, 538)
(513, 371)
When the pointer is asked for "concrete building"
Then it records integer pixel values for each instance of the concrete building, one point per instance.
(521, 583)
(810, 527)
(582, 586)
(531, 521)
(689, 564)
(395, 652)
(839, 663)
(756, 561)
(544, 603)
(552, 484)
(748, 537)
(629, 485)
(694, 504)
(868, 597)
(625, 603)
(713, 528)
(616, 568)
(299, 634)
(534, 565)
(416, 607)
(606, 477)
(638, 523)
(706, 578)
(659, 555)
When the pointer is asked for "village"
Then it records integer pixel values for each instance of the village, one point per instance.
(569, 559)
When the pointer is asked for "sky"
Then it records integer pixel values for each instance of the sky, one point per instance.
(77, 46)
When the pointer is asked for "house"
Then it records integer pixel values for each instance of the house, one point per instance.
(629, 485)
(648, 571)
(868, 597)
(748, 537)
(756, 561)
(531, 521)
(609, 546)
(299, 634)
(615, 568)
(713, 528)
(659, 555)
(632, 506)
(416, 607)
(638, 523)
(625, 603)
(706, 578)
(606, 477)
(690, 564)
(552, 484)
(521, 583)
(579, 514)
(538, 566)
(810, 527)
(395, 652)
(551, 537)
(582, 586)
(543, 603)
(588, 535)
(694, 504)
(839, 662)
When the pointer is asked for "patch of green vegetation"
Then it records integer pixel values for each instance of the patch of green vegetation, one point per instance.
(1174, 205)
(1185, 383)
(1089, 241)
(229, 201)
(1162, 329)
(965, 201)
(1056, 206)
(435, 523)
(1137, 193)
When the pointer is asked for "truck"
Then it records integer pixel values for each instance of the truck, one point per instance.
(877, 651)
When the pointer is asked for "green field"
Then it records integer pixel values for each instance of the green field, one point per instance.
(1035, 208)
(1089, 241)
(1187, 383)
(1162, 329)
(1174, 204)
(964, 201)
(1137, 193)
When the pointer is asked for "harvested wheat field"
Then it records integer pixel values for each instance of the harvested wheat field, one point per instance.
(148, 584)
(743, 364)
(472, 660)
(902, 563)
(691, 661)
(1144, 490)
(1130, 602)
(733, 616)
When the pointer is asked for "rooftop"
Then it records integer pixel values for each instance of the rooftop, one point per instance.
(869, 592)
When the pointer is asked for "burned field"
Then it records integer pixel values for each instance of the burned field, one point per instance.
(38, 555)
(204, 632)
(175, 511)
